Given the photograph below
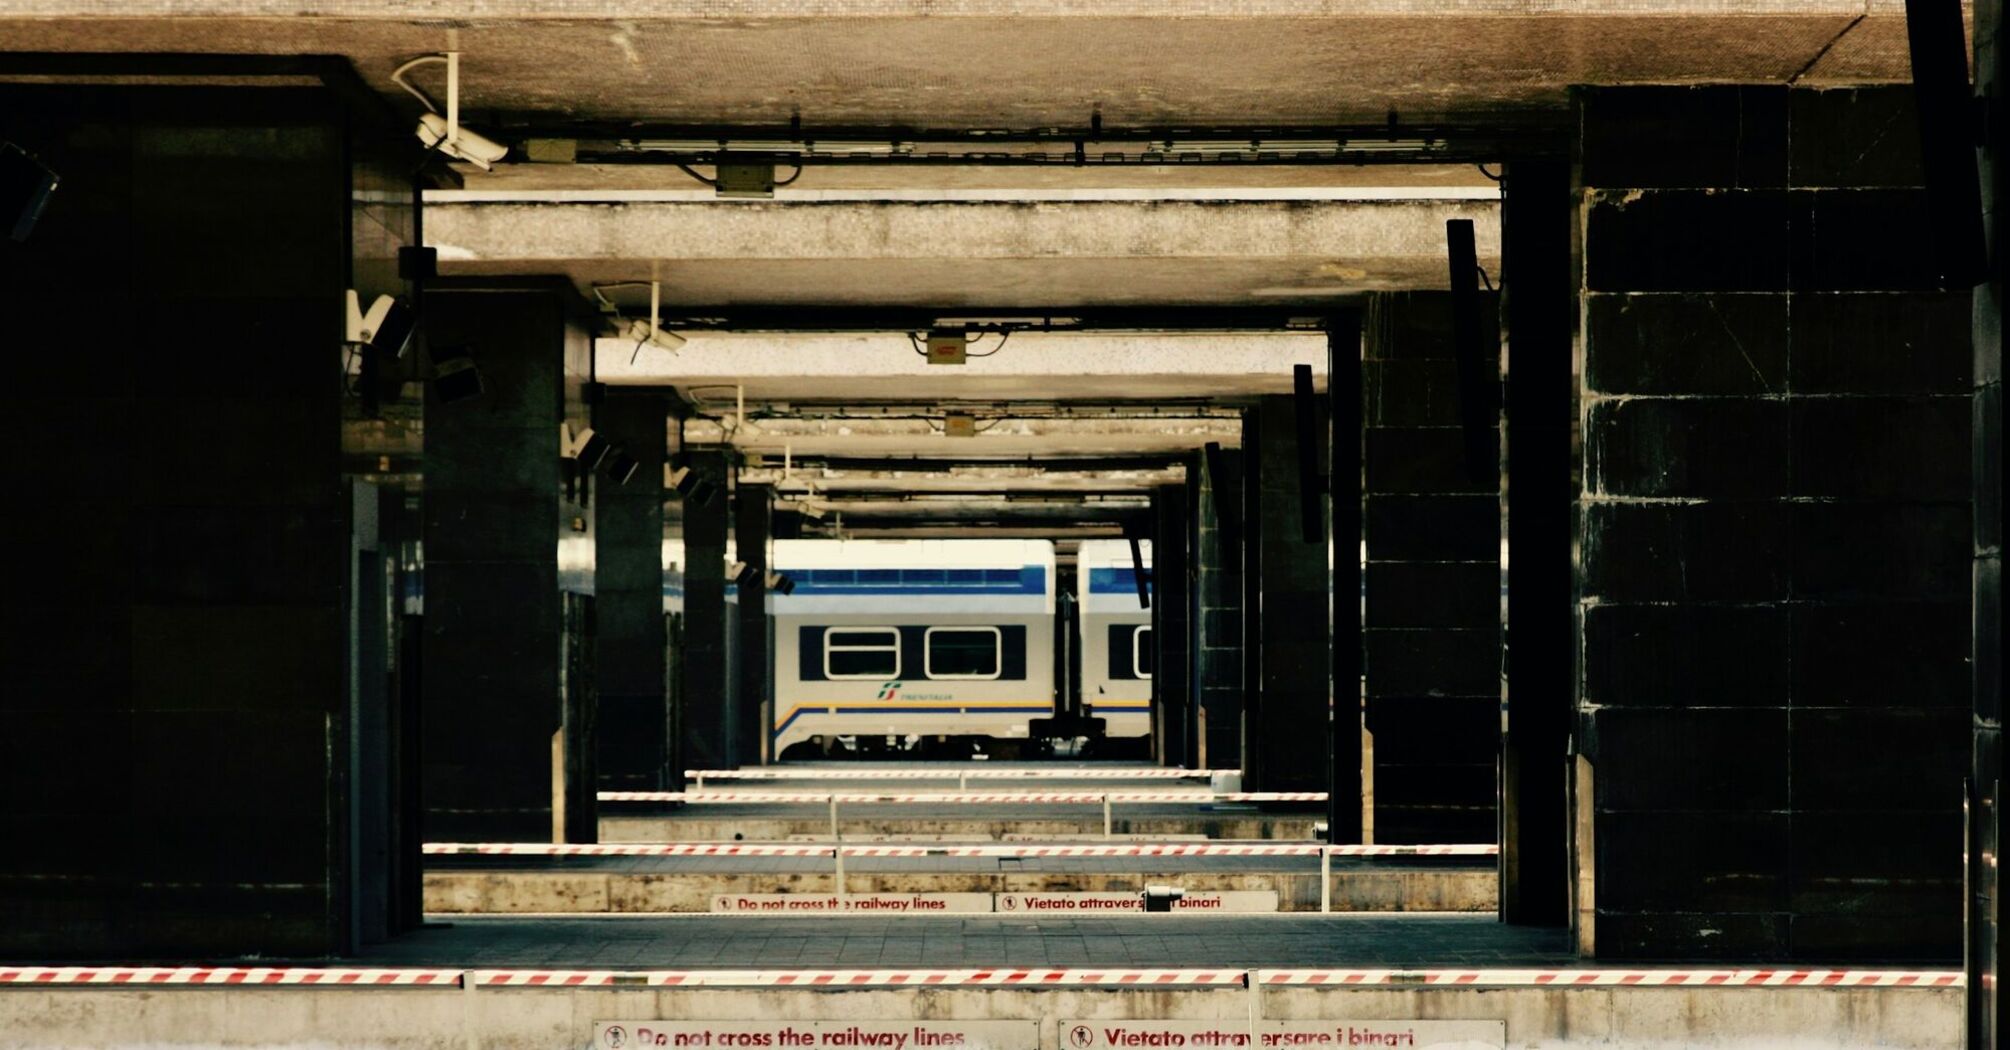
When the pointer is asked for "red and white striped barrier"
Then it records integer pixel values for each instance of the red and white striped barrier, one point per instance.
(627, 849)
(226, 975)
(1506, 978)
(960, 797)
(338, 977)
(1143, 849)
(772, 774)
(1003, 849)
(861, 978)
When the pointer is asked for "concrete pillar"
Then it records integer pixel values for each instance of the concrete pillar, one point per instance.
(502, 632)
(1344, 409)
(634, 722)
(1288, 660)
(1218, 607)
(707, 721)
(1538, 307)
(753, 511)
(1984, 910)
(1172, 627)
(177, 720)
(1432, 622)
(1773, 720)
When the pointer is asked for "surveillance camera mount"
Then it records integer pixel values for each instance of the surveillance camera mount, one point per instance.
(443, 132)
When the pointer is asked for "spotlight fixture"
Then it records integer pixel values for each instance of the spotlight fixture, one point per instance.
(25, 187)
(588, 447)
(386, 327)
(621, 467)
(455, 377)
(443, 132)
(690, 486)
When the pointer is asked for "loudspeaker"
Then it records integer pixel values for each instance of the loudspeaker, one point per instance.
(1947, 115)
(395, 333)
(455, 377)
(593, 451)
(621, 466)
(417, 263)
(1479, 391)
(25, 187)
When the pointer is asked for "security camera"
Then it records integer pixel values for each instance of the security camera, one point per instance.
(641, 331)
(386, 327)
(739, 572)
(780, 583)
(467, 145)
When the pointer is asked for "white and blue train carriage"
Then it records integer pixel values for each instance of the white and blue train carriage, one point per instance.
(1116, 631)
(924, 645)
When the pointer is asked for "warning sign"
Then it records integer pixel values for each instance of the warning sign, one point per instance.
(818, 1035)
(1281, 1035)
(1195, 902)
(851, 903)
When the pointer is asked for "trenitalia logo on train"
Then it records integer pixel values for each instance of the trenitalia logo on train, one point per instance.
(958, 647)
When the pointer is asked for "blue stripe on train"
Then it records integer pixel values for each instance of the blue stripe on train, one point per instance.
(975, 709)
(1116, 581)
(1027, 579)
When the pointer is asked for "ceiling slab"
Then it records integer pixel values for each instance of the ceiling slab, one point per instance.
(967, 254)
(1013, 63)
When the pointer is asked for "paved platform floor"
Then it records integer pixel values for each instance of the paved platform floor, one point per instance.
(760, 942)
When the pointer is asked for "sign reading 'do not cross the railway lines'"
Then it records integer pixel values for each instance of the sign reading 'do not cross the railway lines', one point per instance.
(817, 1035)
(1280, 1035)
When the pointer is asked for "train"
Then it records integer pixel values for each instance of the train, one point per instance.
(958, 648)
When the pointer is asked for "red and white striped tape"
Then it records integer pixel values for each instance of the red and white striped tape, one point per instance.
(954, 773)
(1142, 849)
(861, 978)
(226, 975)
(337, 977)
(628, 849)
(1622, 978)
(743, 849)
(1005, 849)
(961, 797)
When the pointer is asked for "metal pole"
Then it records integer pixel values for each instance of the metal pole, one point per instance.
(835, 837)
(1325, 879)
(837, 856)
(1108, 830)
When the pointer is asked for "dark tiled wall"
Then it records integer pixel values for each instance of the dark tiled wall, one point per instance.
(1288, 665)
(708, 721)
(173, 631)
(634, 743)
(1218, 609)
(1431, 632)
(1775, 530)
(494, 618)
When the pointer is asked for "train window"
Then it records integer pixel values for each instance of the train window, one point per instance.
(962, 652)
(861, 652)
(1141, 652)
